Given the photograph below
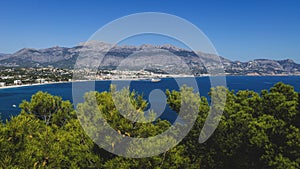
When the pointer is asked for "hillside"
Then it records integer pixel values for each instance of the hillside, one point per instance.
(62, 57)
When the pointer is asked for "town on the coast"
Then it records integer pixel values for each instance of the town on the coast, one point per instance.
(10, 77)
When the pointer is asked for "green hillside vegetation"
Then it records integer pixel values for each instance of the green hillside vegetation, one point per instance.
(257, 130)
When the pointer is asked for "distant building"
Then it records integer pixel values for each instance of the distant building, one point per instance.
(40, 80)
(2, 84)
(17, 82)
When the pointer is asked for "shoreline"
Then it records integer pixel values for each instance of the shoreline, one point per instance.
(34, 84)
(131, 79)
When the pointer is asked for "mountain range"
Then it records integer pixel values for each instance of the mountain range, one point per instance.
(151, 57)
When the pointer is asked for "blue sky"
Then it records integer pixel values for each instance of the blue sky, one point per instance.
(240, 30)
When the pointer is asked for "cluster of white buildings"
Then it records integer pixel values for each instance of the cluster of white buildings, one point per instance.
(19, 82)
(16, 82)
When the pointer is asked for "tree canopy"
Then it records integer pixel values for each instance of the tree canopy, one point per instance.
(256, 130)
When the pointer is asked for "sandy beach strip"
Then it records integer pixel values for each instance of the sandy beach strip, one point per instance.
(34, 84)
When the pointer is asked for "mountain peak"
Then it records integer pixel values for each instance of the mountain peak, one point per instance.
(26, 50)
(62, 57)
(289, 60)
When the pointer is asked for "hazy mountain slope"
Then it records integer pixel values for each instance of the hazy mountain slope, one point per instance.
(142, 57)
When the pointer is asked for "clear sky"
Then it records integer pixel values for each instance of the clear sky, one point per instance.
(239, 29)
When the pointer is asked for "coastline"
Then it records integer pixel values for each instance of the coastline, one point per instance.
(132, 79)
(34, 84)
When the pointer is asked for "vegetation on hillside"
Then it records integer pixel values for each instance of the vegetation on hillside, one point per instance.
(257, 130)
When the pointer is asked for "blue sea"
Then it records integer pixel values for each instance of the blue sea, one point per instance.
(14, 96)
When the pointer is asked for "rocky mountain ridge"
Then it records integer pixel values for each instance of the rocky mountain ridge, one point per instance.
(199, 62)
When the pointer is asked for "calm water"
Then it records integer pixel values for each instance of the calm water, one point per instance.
(14, 96)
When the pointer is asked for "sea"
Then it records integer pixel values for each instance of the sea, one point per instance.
(10, 98)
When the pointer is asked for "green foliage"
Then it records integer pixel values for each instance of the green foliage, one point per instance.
(257, 130)
(26, 142)
(51, 109)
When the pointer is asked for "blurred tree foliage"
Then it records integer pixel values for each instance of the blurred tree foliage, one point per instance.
(257, 130)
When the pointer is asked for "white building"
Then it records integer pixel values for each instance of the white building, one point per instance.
(40, 80)
(17, 82)
(2, 84)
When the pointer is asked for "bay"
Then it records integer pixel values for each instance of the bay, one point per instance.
(14, 96)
